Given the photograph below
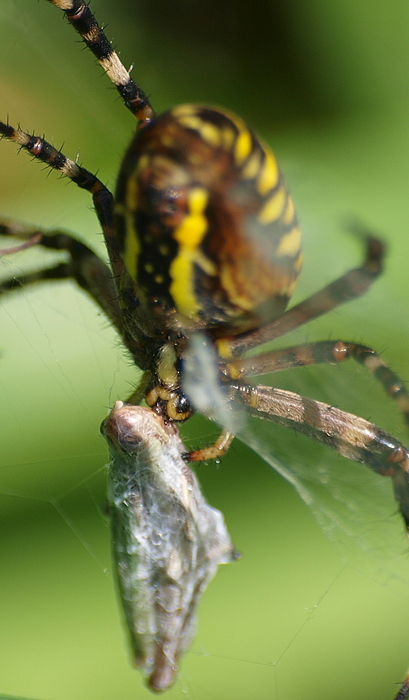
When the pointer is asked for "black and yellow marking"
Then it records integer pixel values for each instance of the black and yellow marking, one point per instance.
(199, 185)
(189, 236)
(167, 390)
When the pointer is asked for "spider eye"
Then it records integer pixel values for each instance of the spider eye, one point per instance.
(183, 405)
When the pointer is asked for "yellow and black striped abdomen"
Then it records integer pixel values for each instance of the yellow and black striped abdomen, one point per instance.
(205, 224)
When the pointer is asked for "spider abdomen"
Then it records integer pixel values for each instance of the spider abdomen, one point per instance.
(205, 224)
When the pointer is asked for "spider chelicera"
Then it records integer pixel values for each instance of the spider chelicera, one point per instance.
(203, 242)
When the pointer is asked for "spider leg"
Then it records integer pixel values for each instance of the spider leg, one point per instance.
(349, 286)
(403, 693)
(102, 197)
(351, 436)
(215, 451)
(83, 265)
(91, 274)
(324, 352)
(82, 19)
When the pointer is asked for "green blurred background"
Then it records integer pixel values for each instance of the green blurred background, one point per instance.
(299, 616)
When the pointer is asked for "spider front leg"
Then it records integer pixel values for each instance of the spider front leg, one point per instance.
(103, 200)
(351, 436)
(83, 266)
(104, 207)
